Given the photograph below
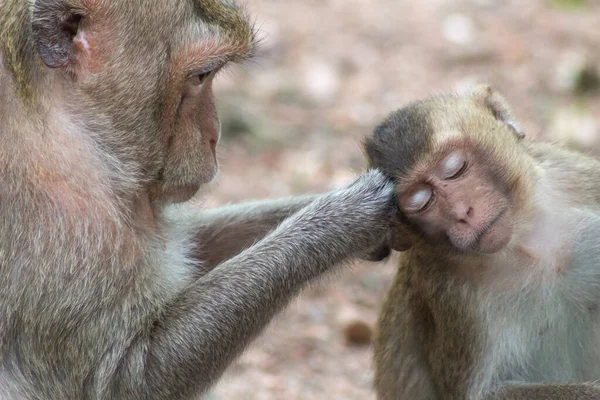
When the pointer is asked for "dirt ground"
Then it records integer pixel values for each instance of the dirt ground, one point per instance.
(328, 71)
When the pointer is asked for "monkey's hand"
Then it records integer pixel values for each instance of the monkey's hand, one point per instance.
(384, 247)
(366, 208)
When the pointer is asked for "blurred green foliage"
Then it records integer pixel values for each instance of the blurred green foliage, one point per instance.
(570, 3)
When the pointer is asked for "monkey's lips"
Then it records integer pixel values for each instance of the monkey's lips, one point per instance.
(495, 235)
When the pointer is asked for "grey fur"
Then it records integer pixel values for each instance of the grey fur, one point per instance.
(108, 291)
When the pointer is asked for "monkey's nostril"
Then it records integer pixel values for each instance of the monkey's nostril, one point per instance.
(462, 212)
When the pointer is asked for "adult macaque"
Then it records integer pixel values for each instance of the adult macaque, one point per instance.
(497, 296)
(108, 290)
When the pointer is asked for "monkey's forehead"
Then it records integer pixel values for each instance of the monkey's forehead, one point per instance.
(398, 141)
(188, 23)
(228, 16)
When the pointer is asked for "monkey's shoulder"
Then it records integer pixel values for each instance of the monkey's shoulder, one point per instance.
(574, 175)
(560, 158)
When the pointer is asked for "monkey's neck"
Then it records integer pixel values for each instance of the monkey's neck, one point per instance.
(542, 231)
(540, 246)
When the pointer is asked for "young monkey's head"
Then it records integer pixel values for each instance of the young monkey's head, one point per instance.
(463, 176)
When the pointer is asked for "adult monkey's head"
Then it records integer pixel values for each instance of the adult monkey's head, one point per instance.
(135, 76)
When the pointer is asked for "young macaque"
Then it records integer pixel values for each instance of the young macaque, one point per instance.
(497, 294)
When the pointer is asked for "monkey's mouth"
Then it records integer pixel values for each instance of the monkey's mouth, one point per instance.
(494, 236)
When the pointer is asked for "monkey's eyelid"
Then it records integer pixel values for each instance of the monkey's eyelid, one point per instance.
(197, 80)
(453, 166)
(209, 68)
(459, 172)
(418, 201)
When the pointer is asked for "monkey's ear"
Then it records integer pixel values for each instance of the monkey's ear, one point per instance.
(498, 106)
(55, 24)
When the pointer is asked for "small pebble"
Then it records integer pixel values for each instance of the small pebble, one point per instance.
(358, 333)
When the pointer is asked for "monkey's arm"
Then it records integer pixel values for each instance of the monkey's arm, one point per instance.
(216, 317)
(582, 391)
(226, 231)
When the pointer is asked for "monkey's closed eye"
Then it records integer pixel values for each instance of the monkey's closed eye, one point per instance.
(453, 166)
(459, 172)
(417, 201)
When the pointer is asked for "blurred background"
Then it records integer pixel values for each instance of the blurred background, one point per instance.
(327, 73)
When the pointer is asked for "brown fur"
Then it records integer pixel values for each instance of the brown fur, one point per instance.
(450, 324)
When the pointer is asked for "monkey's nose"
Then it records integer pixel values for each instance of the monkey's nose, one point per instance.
(464, 213)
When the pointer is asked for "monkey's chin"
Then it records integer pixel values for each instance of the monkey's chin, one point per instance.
(491, 242)
(164, 192)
